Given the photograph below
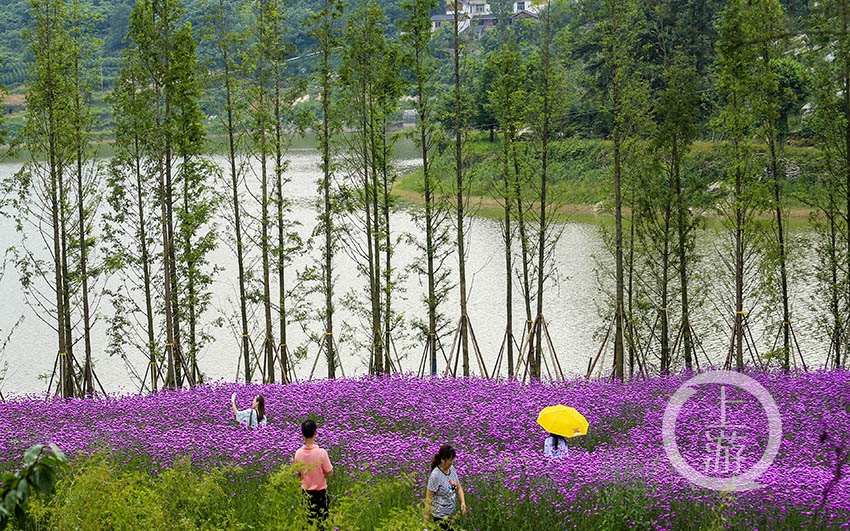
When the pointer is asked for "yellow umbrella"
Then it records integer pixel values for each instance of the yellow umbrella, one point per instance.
(562, 420)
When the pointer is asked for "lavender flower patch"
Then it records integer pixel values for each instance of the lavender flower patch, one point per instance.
(388, 426)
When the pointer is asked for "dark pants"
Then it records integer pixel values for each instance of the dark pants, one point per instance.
(317, 502)
(443, 523)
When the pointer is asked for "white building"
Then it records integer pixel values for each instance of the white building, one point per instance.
(479, 14)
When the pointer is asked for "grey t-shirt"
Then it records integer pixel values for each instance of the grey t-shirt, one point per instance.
(444, 487)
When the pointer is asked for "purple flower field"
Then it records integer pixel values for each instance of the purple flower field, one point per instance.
(393, 425)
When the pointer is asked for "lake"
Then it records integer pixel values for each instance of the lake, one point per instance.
(574, 302)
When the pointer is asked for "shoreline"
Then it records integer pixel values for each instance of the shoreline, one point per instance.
(584, 212)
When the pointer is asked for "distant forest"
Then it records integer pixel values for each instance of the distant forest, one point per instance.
(694, 21)
(110, 17)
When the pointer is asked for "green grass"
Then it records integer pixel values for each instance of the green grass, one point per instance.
(96, 494)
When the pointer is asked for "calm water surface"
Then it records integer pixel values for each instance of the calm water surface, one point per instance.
(572, 304)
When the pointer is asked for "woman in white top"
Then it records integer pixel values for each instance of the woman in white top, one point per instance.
(250, 418)
(555, 446)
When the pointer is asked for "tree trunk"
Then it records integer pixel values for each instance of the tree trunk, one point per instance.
(618, 200)
(234, 185)
(618, 254)
(281, 240)
(682, 231)
(87, 370)
(170, 379)
(845, 79)
(509, 285)
(265, 238)
(328, 226)
(783, 267)
(146, 274)
(461, 248)
(429, 231)
(739, 272)
(665, 282)
(544, 180)
(66, 365)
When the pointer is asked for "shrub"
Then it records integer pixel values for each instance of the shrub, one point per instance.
(96, 497)
(194, 499)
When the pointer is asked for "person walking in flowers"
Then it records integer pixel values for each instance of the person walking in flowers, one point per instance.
(251, 418)
(443, 489)
(314, 467)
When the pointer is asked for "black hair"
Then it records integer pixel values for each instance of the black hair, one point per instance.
(556, 440)
(308, 428)
(261, 411)
(446, 452)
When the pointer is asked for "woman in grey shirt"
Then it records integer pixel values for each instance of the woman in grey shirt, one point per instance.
(443, 487)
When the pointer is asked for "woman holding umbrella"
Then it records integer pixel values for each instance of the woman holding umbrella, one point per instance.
(560, 421)
(443, 486)
(555, 446)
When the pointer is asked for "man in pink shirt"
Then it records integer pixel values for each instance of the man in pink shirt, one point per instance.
(314, 467)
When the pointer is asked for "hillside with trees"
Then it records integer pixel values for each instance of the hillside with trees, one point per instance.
(109, 20)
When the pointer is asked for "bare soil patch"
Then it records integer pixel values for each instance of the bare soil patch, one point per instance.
(15, 99)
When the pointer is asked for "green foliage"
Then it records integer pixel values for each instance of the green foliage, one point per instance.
(98, 497)
(582, 175)
(370, 502)
(3, 94)
(401, 519)
(285, 506)
(196, 500)
(98, 493)
(38, 476)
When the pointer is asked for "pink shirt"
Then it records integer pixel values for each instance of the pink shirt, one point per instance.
(318, 464)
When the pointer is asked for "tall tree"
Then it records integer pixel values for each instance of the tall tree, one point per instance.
(769, 102)
(829, 56)
(390, 86)
(131, 227)
(83, 52)
(40, 190)
(369, 74)
(682, 46)
(506, 99)
(324, 30)
(151, 35)
(669, 206)
(198, 202)
(287, 124)
(738, 86)
(461, 183)
(548, 98)
(228, 41)
(421, 65)
(619, 26)
(261, 94)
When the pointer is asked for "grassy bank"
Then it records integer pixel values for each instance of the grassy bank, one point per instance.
(581, 182)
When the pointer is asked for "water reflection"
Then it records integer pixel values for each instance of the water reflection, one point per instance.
(572, 303)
